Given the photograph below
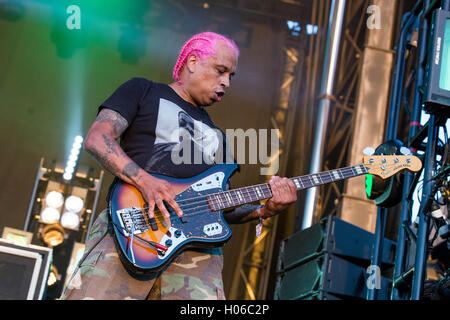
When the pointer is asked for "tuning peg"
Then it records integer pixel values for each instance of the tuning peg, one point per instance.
(368, 151)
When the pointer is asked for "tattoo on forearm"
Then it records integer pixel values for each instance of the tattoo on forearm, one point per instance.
(118, 122)
(104, 160)
(110, 152)
(112, 146)
(131, 170)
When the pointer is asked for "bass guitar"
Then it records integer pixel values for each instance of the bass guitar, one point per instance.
(147, 245)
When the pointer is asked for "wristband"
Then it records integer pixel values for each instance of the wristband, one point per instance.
(261, 220)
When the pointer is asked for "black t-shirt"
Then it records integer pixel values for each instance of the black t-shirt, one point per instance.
(166, 134)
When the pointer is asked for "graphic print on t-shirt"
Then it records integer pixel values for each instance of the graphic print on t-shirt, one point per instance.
(181, 139)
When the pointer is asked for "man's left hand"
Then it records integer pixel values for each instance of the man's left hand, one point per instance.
(284, 193)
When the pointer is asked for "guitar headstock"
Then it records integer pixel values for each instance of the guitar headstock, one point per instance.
(385, 166)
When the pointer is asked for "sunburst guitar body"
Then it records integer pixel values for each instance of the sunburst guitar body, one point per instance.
(147, 245)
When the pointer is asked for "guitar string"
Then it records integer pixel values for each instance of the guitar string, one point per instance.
(205, 202)
(235, 198)
(195, 210)
(302, 179)
(324, 180)
(265, 184)
(250, 189)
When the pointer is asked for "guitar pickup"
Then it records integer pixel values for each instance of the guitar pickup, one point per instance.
(153, 224)
(151, 221)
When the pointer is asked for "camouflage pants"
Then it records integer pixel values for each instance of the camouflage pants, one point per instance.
(193, 275)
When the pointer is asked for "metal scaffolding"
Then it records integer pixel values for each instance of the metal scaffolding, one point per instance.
(340, 121)
(255, 259)
(413, 244)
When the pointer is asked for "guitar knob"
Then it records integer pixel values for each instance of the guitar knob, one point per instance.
(177, 233)
(168, 242)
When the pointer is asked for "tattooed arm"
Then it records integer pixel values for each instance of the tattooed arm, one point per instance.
(101, 143)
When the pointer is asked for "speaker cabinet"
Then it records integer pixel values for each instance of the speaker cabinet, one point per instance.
(329, 260)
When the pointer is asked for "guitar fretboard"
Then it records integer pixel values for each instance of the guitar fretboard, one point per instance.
(236, 197)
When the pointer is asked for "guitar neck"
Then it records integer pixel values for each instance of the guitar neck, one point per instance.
(236, 197)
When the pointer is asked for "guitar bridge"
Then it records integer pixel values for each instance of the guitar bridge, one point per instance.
(132, 219)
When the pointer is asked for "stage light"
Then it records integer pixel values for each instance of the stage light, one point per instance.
(53, 235)
(74, 152)
(54, 199)
(73, 157)
(294, 26)
(78, 139)
(52, 277)
(67, 176)
(69, 170)
(71, 228)
(76, 146)
(311, 29)
(50, 215)
(71, 164)
(70, 220)
(74, 204)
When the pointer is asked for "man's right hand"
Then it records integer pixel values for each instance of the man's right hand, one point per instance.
(155, 191)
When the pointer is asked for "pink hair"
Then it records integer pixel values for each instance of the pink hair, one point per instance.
(202, 45)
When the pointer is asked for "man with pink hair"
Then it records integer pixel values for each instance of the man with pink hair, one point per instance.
(202, 45)
(148, 117)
